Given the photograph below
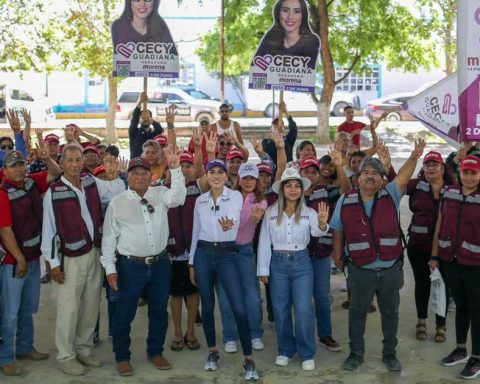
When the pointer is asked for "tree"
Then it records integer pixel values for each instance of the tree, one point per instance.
(86, 43)
(353, 34)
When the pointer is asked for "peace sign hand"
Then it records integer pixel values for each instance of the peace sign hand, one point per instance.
(323, 210)
(226, 223)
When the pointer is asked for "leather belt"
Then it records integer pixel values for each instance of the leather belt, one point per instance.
(217, 246)
(147, 260)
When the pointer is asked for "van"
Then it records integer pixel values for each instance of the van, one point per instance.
(189, 108)
(17, 99)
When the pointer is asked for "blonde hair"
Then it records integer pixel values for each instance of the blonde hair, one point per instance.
(281, 203)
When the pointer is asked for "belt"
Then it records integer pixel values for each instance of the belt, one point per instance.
(147, 260)
(224, 246)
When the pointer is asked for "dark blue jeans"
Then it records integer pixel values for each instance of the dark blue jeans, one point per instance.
(212, 264)
(134, 278)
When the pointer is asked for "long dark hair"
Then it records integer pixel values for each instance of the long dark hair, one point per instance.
(276, 35)
(447, 177)
(302, 145)
(156, 26)
(258, 191)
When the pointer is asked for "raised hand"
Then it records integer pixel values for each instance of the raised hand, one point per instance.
(323, 210)
(384, 155)
(70, 133)
(170, 113)
(277, 137)
(418, 149)
(111, 167)
(197, 137)
(122, 164)
(13, 120)
(39, 134)
(27, 117)
(41, 153)
(210, 142)
(142, 98)
(336, 156)
(173, 159)
(257, 145)
(226, 223)
(257, 214)
(375, 122)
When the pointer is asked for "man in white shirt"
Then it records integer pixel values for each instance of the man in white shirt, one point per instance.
(71, 240)
(135, 236)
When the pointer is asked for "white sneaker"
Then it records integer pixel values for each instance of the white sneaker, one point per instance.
(282, 361)
(231, 346)
(257, 344)
(308, 365)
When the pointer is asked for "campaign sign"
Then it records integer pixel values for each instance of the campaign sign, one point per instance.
(437, 108)
(142, 43)
(287, 55)
(468, 42)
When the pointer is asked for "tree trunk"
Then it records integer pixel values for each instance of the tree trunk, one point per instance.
(323, 106)
(323, 128)
(110, 131)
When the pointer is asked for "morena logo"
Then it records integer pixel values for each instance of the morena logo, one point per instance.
(477, 16)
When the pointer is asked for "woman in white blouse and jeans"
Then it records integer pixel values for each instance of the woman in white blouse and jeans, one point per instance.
(284, 262)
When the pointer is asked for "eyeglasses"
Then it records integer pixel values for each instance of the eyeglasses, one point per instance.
(150, 208)
(225, 143)
(7, 147)
(224, 111)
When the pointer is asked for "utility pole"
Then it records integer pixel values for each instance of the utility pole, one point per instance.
(222, 53)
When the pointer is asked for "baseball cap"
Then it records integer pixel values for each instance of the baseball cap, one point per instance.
(51, 138)
(433, 156)
(470, 162)
(186, 156)
(91, 148)
(233, 153)
(309, 162)
(138, 162)
(99, 170)
(248, 169)
(161, 139)
(204, 120)
(262, 167)
(13, 157)
(216, 163)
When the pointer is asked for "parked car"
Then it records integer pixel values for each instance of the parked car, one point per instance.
(392, 105)
(190, 108)
(17, 99)
(261, 101)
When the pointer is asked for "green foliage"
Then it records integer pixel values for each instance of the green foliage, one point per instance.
(375, 30)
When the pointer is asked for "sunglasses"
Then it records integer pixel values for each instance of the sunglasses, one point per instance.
(7, 146)
(224, 111)
(145, 1)
(225, 143)
(150, 208)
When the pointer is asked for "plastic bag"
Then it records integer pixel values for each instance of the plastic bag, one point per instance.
(438, 298)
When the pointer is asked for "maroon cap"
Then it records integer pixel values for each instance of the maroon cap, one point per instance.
(433, 156)
(186, 156)
(470, 162)
(51, 138)
(262, 167)
(91, 148)
(161, 139)
(309, 162)
(138, 162)
(233, 153)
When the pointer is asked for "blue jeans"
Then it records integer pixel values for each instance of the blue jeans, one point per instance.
(211, 265)
(291, 283)
(251, 297)
(321, 295)
(134, 278)
(19, 299)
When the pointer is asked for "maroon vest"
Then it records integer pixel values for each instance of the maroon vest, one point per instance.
(460, 231)
(180, 222)
(72, 230)
(321, 246)
(27, 216)
(425, 212)
(368, 238)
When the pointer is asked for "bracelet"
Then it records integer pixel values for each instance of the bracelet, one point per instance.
(170, 126)
(434, 258)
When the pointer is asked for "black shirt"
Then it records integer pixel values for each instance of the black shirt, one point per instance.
(138, 135)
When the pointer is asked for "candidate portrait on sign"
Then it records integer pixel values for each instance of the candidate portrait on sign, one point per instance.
(290, 34)
(141, 22)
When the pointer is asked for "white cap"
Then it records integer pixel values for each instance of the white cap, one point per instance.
(248, 169)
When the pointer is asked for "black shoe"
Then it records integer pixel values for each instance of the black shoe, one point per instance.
(458, 356)
(352, 363)
(212, 361)
(392, 363)
(250, 371)
(472, 369)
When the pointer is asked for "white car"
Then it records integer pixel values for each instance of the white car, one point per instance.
(262, 101)
(17, 99)
(189, 108)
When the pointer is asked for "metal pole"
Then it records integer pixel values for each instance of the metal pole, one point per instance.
(222, 53)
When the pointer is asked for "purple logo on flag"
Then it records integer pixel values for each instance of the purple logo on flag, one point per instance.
(477, 16)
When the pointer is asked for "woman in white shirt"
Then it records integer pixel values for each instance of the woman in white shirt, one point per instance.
(284, 263)
(213, 255)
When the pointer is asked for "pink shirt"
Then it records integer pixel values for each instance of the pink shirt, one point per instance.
(247, 227)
